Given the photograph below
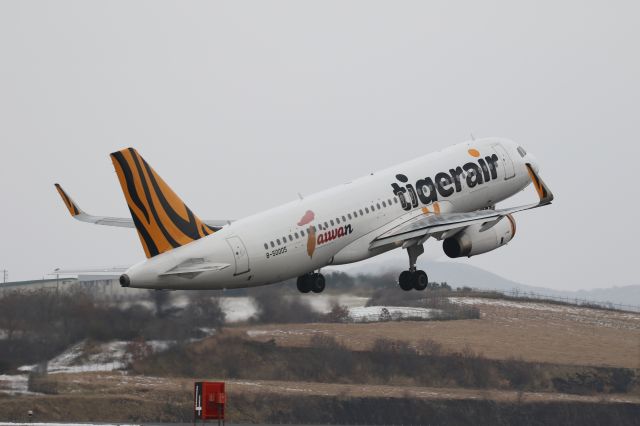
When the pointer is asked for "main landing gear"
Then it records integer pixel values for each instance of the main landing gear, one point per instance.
(311, 282)
(413, 279)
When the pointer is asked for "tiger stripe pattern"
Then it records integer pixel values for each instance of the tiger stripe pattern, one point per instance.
(537, 184)
(71, 206)
(162, 219)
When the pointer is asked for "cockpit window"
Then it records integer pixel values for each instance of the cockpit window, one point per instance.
(521, 151)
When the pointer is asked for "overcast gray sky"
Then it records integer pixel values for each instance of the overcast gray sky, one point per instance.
(240, 105)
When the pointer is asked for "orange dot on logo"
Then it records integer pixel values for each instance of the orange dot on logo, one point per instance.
(474, 152)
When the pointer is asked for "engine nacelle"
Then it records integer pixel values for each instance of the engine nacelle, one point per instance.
(472, 241)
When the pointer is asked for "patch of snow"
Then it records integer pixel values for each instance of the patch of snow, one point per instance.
(300, 332)
(160, 345)
(14, 384)
(246, 383)
(323, 302)
(256, 333)
(208, 331)
(373, 313)
(238, 309)
(104, 357)
(180, 301)
(537, 306)
(146, 304)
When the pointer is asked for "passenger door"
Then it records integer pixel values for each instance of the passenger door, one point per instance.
(507, 163)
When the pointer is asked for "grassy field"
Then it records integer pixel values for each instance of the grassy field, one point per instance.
(120, 397)
(287, 373)
(535, 332)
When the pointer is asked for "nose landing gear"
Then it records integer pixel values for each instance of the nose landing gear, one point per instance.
(413, 279)
(311, 282)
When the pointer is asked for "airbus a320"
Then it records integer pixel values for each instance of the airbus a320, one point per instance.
(448, 196)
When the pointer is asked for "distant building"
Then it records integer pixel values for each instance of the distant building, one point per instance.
(95, 284)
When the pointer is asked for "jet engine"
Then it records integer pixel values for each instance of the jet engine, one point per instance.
(481, 238)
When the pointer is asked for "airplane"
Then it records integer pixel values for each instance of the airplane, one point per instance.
(448, 196)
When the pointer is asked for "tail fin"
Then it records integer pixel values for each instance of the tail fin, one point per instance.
(162, 219)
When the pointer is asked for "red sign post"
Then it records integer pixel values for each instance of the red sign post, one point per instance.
(209, 401)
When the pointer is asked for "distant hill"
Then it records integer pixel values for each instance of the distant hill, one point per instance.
(626, 295)
(460, 275)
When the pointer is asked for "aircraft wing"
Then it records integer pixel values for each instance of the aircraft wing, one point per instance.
(78, 214)
(447, 224)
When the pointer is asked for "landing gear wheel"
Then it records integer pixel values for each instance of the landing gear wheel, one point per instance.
(405, 280)
(420, 280)
(317, 283)
(304, 283)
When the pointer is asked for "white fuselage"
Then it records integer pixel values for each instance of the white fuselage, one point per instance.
(275, 245)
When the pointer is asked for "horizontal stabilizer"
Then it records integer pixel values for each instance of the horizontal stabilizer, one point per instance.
(101, 273)
(193, 267)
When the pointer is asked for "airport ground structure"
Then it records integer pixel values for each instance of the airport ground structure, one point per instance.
(99, 286)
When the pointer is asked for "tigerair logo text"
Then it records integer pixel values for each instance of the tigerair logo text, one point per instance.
(444, 184)
(315, 238)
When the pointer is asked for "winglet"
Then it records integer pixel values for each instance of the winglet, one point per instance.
(71, 205)
(545, 194)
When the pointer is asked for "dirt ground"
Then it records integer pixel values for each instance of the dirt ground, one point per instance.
(532, 331)
(118, 397)
(119, 383)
